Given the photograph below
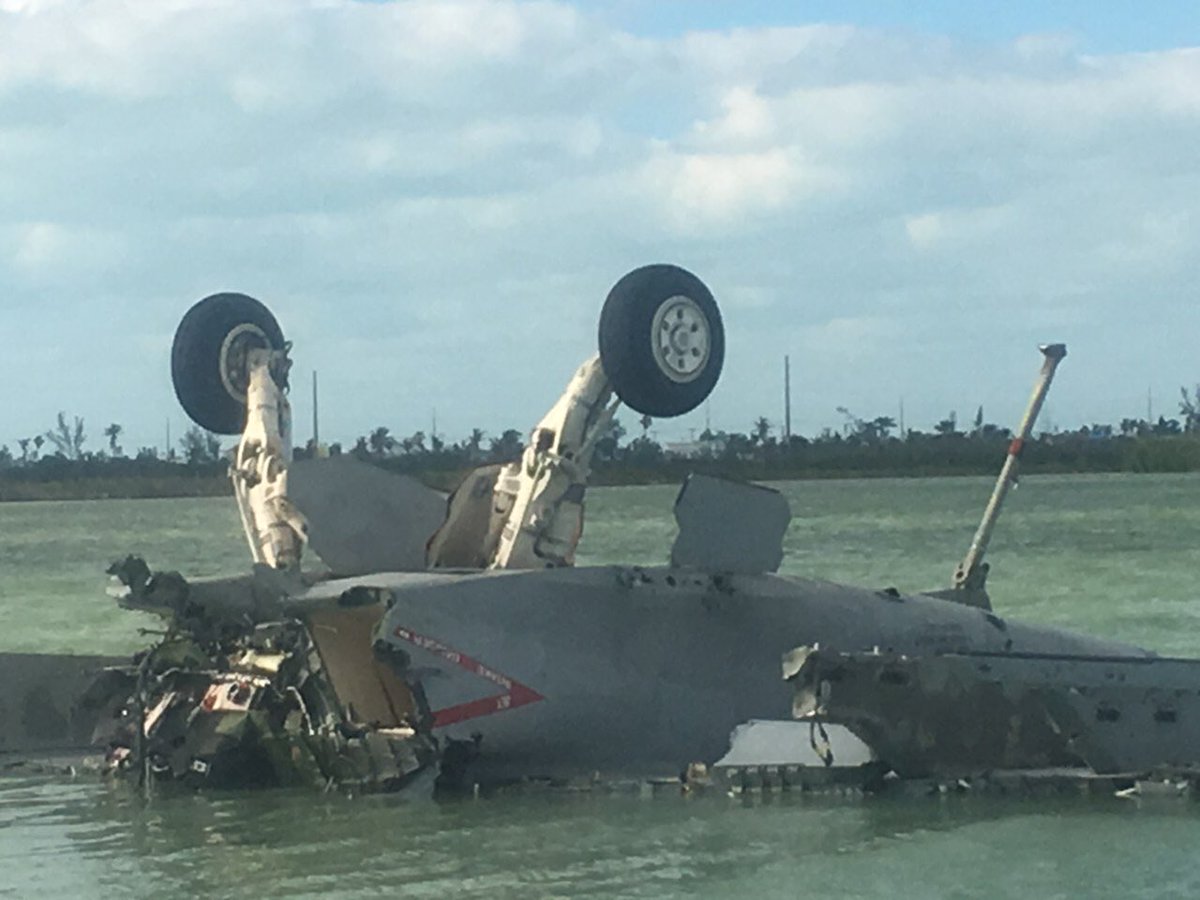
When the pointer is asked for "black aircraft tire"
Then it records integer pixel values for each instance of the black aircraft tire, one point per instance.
(196, 357)
(662, 343)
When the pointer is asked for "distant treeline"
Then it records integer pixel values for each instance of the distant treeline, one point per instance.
(862, 448)
(99, 477)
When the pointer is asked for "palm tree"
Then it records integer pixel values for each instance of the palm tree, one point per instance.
(381, 441)
(112, 432)
(475, 445)
(67, 439)
(1189, 408)
(195, 446)
(508, 446)
(880, 428)
(948, 426)
(762, 430)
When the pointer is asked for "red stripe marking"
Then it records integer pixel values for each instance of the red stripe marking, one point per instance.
(514, 694)
(1015, 448)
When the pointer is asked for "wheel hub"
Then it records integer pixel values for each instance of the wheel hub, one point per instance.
(680, 339)
(234, 360)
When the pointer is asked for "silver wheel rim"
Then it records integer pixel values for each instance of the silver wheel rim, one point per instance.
(235, 373)
(680, 339)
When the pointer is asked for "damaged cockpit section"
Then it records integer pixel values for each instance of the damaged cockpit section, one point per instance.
(227, 700)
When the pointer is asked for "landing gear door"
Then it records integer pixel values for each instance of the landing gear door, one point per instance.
(362, 519)
(477, 513)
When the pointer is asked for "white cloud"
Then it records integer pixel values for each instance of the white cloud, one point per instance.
(706, 193)
(28, 7)
(38, 245)
(925, 230)
(747, 119)
(956, 230)
(422, 189)
(42, 253)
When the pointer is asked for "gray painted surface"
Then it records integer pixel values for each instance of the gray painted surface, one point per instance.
(729, 526)
(964, 713)
(645, 670)
(362, 519)
(609, 670)
(40, 708)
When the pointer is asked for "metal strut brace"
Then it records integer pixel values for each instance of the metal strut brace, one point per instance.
(275, 529)
(544, 490)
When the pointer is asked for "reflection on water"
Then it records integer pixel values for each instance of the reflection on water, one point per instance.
(1110, 554)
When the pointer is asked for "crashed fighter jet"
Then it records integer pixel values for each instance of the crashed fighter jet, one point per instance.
(452, 637)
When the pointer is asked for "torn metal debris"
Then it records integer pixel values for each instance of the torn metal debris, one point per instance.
(228, 702)
(959, 714)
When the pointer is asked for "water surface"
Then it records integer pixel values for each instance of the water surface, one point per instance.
(1114, 555)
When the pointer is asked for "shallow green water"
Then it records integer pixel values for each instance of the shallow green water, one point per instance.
(1114, 555)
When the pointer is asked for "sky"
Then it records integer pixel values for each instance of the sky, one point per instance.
(435, 198)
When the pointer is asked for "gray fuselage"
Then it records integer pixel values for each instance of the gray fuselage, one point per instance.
(614, 670)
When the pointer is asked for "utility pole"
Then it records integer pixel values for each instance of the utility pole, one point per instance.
(316, 425)
(901, 418)
(167, 453)
(787, 399)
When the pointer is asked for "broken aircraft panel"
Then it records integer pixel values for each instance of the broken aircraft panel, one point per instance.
(728, 526)
(963, 713)
(284, 703)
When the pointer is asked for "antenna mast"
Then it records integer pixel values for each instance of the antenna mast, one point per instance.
(972, 571)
